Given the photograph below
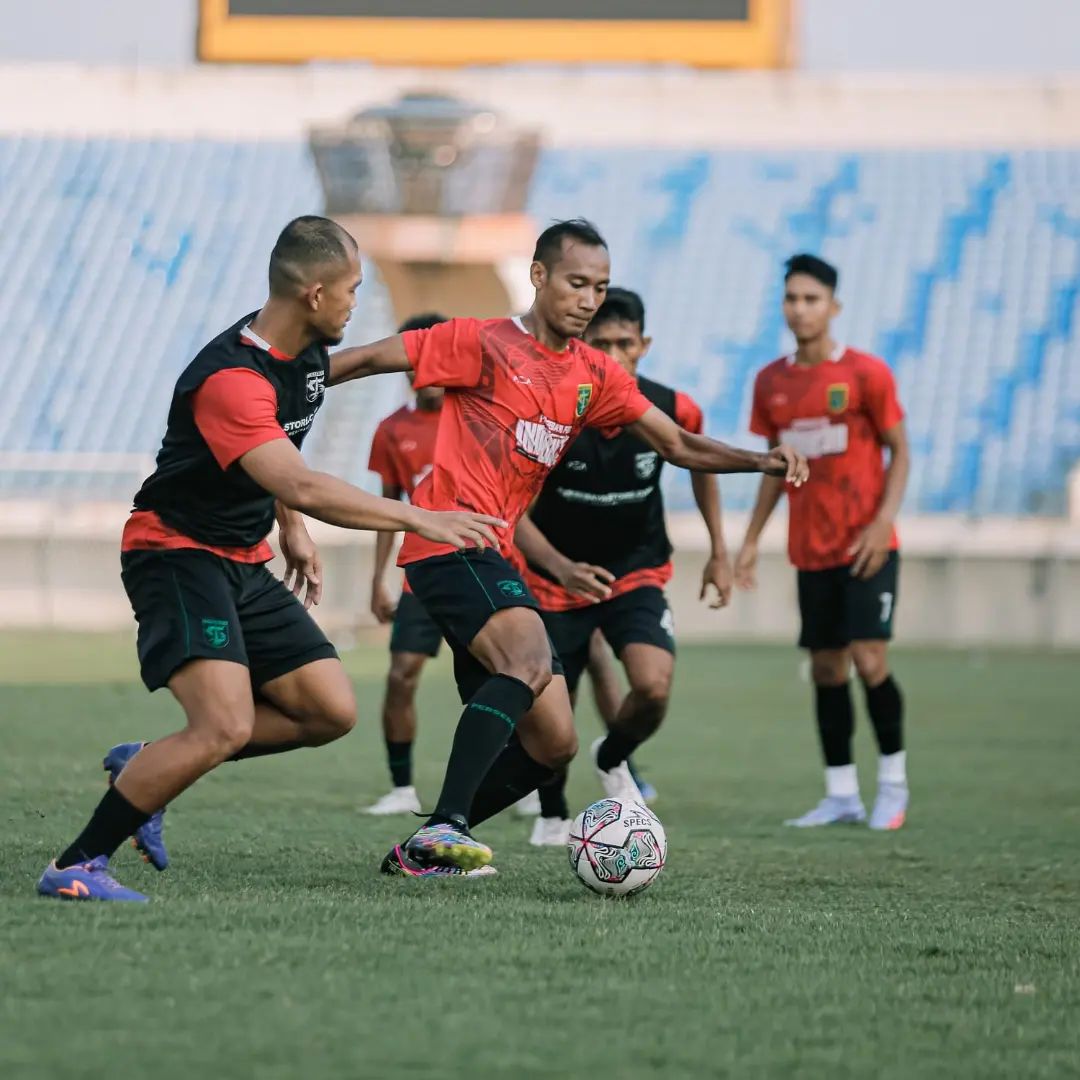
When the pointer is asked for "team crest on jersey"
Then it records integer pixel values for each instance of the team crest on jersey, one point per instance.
(216, 632)
(837, 398)
(315, 385)
(645, 464)
(584, 396)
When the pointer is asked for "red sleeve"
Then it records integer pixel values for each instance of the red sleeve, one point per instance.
(619, 401)
(688, 414)
(760, 421)
(448, 354)
(381, 458)
(235, 410)
(881, 401)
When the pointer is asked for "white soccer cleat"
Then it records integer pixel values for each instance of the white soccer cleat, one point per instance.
(550, 832)
(529, 806)
(481, 871)
(617, 782)
(832, 810)
(399, 800)
(890, 807)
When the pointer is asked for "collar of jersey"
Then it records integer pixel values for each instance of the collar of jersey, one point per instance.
(834, 357)
(516, 320)
(249, 337)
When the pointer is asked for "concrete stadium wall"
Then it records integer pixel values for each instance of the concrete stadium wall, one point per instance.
(963, 583)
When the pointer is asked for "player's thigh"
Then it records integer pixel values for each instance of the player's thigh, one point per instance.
(414, 630)
(319, 690)
(640, 629)
(547, 729)
(823, 608)
(280, 635)
(217, 700)
(515, 642)
(185, 607)
(571, 633)
(870, 605)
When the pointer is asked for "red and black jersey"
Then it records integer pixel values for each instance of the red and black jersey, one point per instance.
(238, 393)
(602, 504)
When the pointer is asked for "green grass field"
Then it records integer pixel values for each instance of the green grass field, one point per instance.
(272, 947)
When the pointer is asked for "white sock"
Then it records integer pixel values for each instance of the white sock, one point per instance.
(892, 768)
(841, 781)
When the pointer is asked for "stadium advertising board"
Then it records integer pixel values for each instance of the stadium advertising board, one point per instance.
(705, 33)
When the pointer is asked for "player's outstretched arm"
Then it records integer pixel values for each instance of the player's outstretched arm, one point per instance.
(769, 492)
(278, 468)
(582, 579)
(702, 454)
(378, 358)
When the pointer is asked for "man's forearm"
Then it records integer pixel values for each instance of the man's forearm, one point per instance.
(707, 496)
(769, 492)
(377, 358)
(702, 454)
(896, 477)
(384, 546)
(322, 496)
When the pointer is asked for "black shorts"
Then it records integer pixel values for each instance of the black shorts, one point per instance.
(638, 617)
(414, 629)
(838, 609)
(460, 592)
(191, 603)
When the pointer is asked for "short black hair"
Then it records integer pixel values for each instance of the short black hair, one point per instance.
(304, 244)
(813, 267)
(621, 305)
(422, 322)
(549, 243)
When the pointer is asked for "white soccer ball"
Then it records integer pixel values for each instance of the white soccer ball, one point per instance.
(617, 848)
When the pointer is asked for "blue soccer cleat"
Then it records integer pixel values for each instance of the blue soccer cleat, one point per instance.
(85, 881)
(148, 840)
(446, 845)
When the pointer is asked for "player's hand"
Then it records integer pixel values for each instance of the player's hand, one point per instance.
(718, 576)
(459, 528)
(382, 603)
(871, 549)
(303, 564)
(783, 461)
(583, 579)
(746, 566)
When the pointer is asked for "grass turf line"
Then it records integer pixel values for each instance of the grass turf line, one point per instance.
(273, 947)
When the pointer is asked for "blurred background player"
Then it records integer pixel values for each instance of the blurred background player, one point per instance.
(519, 391)
(252, 671)
(402, 450)
(839, 407)
(599, 557)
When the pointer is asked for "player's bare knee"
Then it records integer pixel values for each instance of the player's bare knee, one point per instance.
(404, 676)
(653, 693)
(871, 663)
(559, 749)
(224, 734)
(830, 667)
(534, 672)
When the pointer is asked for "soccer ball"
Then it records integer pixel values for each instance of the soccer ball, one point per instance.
(617, 848)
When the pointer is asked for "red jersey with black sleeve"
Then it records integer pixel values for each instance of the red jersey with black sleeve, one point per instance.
(511, 409)
(403, 447)
(602, 504)
(835, 414)
(237, 394)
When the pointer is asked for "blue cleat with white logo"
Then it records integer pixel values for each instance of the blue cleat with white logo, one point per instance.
(148, 840)
(85, 881)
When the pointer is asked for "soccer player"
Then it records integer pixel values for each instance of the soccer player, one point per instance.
(401, 453)
(599, 557)
(518, 392)
(238, 650)
(838, 406)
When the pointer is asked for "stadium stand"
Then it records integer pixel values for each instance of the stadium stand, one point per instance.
(961, 268)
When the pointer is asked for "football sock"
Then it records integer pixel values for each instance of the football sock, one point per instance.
(836, 723)
(399, 758)
(886, 708)
(482, 732)
(553, 798)
(615, 749)
(512, 776)
(114, 820)
(841, 781)
(892, 768)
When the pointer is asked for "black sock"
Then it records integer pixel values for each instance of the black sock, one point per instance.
(483, 730)
(886, 707)
(615, 749)
(513, 775)
(553, 797)
(836, 723)
(399, 758)
(114, 820)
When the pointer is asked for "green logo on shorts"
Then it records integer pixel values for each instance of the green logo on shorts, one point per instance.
(216, 632)
(511, 588)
